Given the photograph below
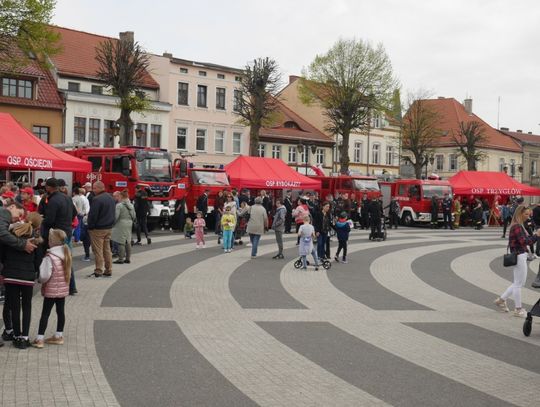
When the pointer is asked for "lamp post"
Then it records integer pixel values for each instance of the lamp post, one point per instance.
(138, 135)
(430, 158)
(113, 131)
(305, 149)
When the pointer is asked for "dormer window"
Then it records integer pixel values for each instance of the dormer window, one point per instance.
(17, 88)
(290, 125)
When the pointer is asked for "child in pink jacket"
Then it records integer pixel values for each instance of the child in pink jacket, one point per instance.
(54, 274)
(199, 224)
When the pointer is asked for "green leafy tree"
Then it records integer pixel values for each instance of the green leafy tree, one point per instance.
(350, 82)
(123, 66)
(468, 141)
(419, 133)
(24, 32)
(257, 104)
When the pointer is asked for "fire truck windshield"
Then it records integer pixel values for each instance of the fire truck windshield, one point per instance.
(439, 190)
(366, 185)
(201, 177)
(154, 169)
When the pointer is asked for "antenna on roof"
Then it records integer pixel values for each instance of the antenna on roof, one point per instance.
(498, 111)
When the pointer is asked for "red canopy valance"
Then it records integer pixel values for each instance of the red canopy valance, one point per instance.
(266, 173)
(489, 183)
(21, 150)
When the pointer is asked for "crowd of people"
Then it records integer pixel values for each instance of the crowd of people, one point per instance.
(40, 224)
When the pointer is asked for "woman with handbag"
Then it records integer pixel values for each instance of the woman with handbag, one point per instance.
(519, 239)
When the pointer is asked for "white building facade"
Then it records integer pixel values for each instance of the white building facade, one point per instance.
(202, 121)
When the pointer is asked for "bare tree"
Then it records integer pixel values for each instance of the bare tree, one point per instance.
(419, 132)
(350, 82)
(24, 32)
(123, 66)
(257, 103)
(468, 141)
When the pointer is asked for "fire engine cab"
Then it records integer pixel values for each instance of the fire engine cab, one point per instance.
(350, 184)
(414, 198)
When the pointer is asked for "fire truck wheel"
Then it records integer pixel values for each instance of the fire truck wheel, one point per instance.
(406, 219)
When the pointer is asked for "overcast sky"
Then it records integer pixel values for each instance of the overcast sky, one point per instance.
(483, 49)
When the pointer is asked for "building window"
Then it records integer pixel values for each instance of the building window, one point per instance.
(219, 141)
(142, 131)
(220, 76)
(292, 154)
(512, 167)
(74, 86)
(439, 162)
(183, 70)
(320, 156)
(201, 96)
(389, 155)
(17, 88)
(79, 130)
(97, 90)
(376, 153)
(41, 132)
(238, 78)
(108, 140)
(93, 131)
(220, 98)
(155, 135)
(303, 157)
(237, 143)
(183, 89)
(534, 168)
(502, 164)
(261, 150)
(237, 100)
(202, 73)
(200, 142)
(452, 162)
(357, 152)
(276, 151)
(181, 138)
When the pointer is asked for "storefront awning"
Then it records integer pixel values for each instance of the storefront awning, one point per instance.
(266, 173)
(489, 183)
(21, 150)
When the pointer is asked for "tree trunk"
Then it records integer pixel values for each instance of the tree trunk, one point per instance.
(344, 159)
(471, 164)
(126, 128)
(254, 140)
(418, 167)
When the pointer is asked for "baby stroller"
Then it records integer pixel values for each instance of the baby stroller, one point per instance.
(325, 263)
(527, 325)
(375, 234)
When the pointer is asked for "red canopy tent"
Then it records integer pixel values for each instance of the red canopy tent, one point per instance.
(266, 173)
(489, 183)
(21, 150)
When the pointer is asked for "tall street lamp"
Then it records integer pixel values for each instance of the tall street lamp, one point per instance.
(304, 148)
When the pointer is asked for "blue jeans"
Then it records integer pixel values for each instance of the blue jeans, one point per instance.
(77, 231)
(254, 239)
(321, 245)
(227, 239)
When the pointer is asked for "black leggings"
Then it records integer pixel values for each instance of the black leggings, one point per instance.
(20, 296)
(6, 315)
(46, 312)
(342, 244)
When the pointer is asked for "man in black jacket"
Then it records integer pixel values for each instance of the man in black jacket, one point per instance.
(142, 211)
(322, 223)
(100, 222)
(57, 211)
(287, 202)
(8, 215)
(375, 210)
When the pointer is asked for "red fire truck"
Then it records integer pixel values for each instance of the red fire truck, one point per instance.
(350, 184)
(153, 169)
(414, 198)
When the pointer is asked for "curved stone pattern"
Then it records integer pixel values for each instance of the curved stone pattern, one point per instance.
(408, 322)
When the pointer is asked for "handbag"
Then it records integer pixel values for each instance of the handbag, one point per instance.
(510, 258)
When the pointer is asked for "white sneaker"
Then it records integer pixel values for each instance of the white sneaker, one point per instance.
(520, 313)
(248, 244)
(198, 246)
(499, 302)
(203, 246)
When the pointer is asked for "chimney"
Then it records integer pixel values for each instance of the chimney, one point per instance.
(127, 36)
(467, 104)
(440, 97)
(529, 132)
(519, 131)
(293, 78)
(167, 55)
(504, 129)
